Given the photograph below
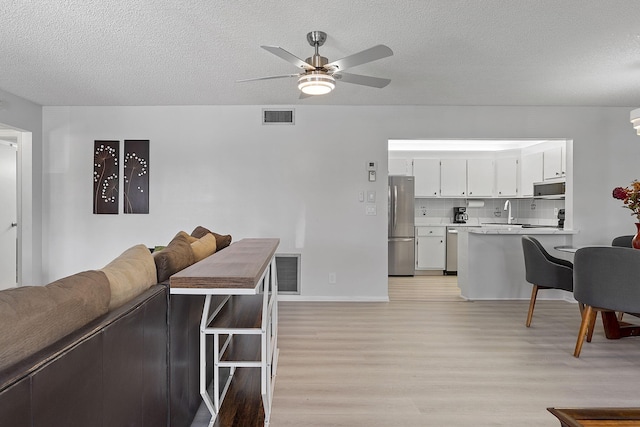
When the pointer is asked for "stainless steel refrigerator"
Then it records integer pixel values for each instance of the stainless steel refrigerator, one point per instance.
(401, 226)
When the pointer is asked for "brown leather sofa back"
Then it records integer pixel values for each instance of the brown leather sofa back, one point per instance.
(111, 372)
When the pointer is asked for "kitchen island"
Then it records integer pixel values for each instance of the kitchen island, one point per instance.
(491, 261)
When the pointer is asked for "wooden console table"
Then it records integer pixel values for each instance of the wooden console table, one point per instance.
(597, 417)
(244, 323)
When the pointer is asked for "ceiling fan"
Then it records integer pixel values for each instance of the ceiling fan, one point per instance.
(319, 75)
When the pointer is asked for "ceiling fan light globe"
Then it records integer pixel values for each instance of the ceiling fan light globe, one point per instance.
(316, 84)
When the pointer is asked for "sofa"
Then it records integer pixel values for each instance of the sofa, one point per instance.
(107, 347)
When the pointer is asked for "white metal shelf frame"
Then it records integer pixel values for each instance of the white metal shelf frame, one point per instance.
(268, 331)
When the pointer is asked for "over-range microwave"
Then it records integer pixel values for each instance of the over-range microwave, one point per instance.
(549, 189)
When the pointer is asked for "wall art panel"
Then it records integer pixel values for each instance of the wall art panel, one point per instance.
(105, 177)
(136, 176)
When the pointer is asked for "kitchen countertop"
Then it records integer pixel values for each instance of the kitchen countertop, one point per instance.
(473, 226)
(519, 230)
(430, 222)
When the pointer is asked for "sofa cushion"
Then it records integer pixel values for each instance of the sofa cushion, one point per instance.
(175, 257)
(33, 317)
(222, 240)
(203, 247)
(130, 274)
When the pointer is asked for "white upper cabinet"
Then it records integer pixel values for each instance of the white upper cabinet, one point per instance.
(507, 177)
(480, 177)
(453, 177)
(530, 172)
(554, 163)
(427, 177)
(401, 167)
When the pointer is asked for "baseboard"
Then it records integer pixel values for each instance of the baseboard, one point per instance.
(331, 298)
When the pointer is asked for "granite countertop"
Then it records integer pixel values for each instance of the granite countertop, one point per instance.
(505, 229)
(431, 222)
(477, 227)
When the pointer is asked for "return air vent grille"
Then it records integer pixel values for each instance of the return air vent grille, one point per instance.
(277, 117)
(288, 270)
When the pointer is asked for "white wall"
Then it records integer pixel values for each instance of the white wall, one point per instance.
(23, 115)
(219, 167)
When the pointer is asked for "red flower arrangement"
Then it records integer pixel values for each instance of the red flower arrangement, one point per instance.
(630, 196)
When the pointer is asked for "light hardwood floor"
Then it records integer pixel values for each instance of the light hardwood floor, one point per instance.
(429, 358)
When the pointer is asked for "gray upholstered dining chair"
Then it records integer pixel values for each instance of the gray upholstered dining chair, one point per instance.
(544, 271)
(625, 242)
(605, 279)
(622, 241)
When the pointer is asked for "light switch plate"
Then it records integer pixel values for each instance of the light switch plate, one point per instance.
(371, 196)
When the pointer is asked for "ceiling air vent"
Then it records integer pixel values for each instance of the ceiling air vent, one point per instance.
(277, 117)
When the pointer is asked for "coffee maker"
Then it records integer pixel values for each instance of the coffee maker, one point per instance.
(460, 215)
(561, 218)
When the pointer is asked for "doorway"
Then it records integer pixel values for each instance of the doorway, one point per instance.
(8, 209)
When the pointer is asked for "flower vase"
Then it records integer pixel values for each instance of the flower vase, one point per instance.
(635, 242)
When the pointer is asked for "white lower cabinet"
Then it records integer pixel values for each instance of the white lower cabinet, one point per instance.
(431, 248)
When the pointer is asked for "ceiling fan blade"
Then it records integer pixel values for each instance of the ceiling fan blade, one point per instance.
(359, 79)
(282, 76)
(372, 54)
(289, 57)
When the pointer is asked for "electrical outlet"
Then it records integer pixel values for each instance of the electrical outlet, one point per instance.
(332, 278)
(555, 212)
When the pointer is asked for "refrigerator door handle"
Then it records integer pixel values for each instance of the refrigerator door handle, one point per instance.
(389, 211)
(395, 206)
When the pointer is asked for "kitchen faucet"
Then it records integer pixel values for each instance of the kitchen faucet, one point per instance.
(507, 205)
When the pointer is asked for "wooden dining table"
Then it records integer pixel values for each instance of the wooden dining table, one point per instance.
(614, 328)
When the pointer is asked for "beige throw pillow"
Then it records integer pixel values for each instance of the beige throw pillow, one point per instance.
(203, 247)
(130, 274)
(222, 240)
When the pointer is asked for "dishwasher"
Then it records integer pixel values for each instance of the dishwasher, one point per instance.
(452, 251)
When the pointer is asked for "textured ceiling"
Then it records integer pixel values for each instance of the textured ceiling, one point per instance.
(446, 52)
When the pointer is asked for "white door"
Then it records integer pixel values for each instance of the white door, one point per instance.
(8, 215)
